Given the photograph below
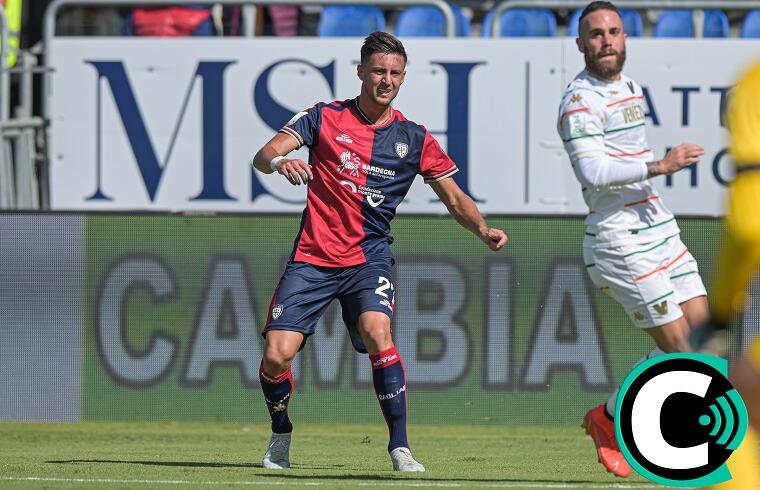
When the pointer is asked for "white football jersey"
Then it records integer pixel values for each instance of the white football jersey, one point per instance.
(603, 119)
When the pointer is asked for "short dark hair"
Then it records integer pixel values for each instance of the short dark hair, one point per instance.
(593, 7)
(381, 42)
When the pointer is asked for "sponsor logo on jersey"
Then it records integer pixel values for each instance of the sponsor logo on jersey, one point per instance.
(277, 311)
(633, 113)
(379, 172)
(576, 98)
(387, 304)
(349, 184)
(349, 162)
(401, 149)
(639, 316)
(344, 138)
(374, 197)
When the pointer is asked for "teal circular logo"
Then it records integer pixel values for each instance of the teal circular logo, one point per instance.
(678, 419)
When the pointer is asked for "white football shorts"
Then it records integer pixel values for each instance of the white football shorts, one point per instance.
(650, 280)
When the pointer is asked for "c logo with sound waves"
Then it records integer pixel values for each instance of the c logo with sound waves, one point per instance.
(678, 419)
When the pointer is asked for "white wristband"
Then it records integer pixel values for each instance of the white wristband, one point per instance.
(273, 162)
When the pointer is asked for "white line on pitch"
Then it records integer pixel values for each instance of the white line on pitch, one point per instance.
(143, 482)
(429, 483)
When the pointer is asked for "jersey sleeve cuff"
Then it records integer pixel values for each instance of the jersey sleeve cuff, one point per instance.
(294, 134)
(645, 171)
(441, 176)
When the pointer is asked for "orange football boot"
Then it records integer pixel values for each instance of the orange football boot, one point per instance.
(602, 431)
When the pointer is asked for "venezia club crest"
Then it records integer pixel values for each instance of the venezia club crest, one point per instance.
(402, 149)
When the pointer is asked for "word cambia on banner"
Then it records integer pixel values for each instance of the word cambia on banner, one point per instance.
(566, 335)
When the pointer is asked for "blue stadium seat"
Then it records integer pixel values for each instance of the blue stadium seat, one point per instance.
(426, 21)
(523, 23)
(632, 23)
(751, 25)
(716, 24)
(350, 20)
(674, 23)
(680, 23)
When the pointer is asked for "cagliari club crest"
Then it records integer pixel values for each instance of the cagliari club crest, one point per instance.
(402, 149)
(276, 312)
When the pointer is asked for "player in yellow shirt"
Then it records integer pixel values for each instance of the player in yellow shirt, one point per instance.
(740, 258)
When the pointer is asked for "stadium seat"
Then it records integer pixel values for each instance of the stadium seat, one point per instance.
(716, 24)
(426, 21)
(523, 23)
(680, 23)
(350, 20)
(632, 23)
(751, 25)
(674, 23)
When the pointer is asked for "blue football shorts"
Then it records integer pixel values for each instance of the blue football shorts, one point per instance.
(305, 291)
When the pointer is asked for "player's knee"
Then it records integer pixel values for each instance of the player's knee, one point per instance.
(379, 334)
(377, 338)
(277, 361)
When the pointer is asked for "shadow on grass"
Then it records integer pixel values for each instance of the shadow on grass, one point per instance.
(187, 464)
(433, 479)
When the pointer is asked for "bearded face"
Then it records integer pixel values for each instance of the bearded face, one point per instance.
(606, 64)
(602, 42)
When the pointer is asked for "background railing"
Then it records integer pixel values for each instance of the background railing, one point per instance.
(21, 142)
(249, 12)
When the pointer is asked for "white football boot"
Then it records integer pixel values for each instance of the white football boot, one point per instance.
(403, 460)
(277, 456)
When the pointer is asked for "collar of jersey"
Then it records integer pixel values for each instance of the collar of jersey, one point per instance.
(604, 82)
(366, 119)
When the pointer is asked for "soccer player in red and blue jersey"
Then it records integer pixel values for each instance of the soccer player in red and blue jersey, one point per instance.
(363, 158)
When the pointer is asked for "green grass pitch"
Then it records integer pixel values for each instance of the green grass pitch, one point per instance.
(209, 455)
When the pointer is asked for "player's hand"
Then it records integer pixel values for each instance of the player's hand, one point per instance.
(681, 156)
(296, 171)
(495, 239)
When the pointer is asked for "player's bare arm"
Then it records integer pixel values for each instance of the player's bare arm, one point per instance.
(271, 158)
(464, 210)
(679, 157)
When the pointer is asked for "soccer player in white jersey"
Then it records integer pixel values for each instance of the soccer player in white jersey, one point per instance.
(632, 248)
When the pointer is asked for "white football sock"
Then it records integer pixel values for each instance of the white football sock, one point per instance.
(612, 401)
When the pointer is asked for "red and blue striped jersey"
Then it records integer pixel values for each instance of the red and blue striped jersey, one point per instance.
(362, 172)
